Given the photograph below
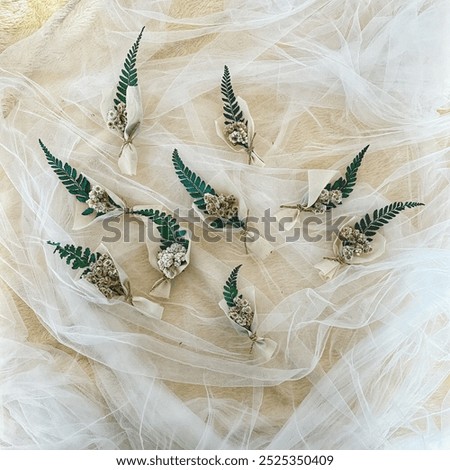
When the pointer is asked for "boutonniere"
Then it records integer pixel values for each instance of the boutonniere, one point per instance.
(98, 202)
(95, 197)
(333, 193)
(172, 255)
(100, 273)
(219, 210)
(356, 243)
(98, 269)
(237, 129)
(123, 114)
(240, 308)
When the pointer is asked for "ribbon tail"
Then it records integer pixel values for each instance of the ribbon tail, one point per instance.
(148, 308)
(161, 288)
(328, 268)
(287, 217)
(265, 346)
(257, 245)
(128, 159)
(255, 159)
(128, 295)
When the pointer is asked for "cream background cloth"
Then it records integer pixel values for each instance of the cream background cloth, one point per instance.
(363, 359)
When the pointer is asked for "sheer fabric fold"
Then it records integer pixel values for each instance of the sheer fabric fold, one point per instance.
(362, 360)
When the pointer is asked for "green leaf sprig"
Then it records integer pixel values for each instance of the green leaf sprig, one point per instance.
(346, 184)
(230, 290)
(369, 225)
(231, 109)
(197, 188)
(167, 226)
(75, 183)
(80, 259)
(128, 76)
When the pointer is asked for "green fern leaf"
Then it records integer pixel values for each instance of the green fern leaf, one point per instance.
(88, 211)
(231, 109)
(369, 225)
(167, 226)
(234, 222)
(128, 76)
(76, 255)
(351, 173)
(346, 184)
(75, 183)
(230, 290)
(195, 186)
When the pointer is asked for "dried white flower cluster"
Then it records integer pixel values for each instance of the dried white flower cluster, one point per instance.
(326, 197)
(355, 243)
(117, 117)
(221, 206)
(99, 200)
(104, 275)
(237, 133)
(241, 313)
(171, 258)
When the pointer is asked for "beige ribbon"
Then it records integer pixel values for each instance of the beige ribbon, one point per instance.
(253, 157)
(127, 289)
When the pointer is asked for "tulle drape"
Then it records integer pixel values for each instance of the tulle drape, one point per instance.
(362, 360)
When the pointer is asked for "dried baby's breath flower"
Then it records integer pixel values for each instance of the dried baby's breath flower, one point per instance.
(171, 258)
(99, 200)
(117, 117)
(237, 133)
(241, 313)
(105, 276)
(355, 243)
(221, 205)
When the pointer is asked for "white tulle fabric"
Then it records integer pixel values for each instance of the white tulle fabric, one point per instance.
(362, 360)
